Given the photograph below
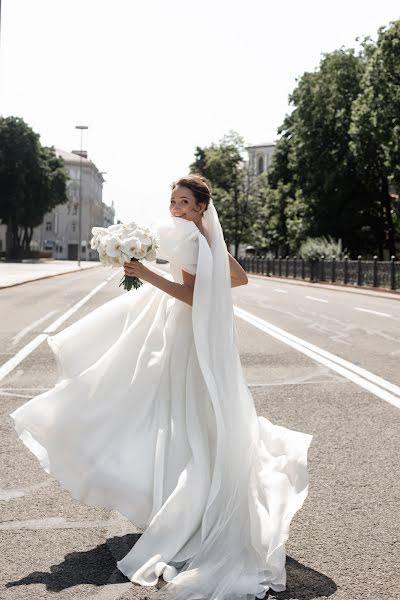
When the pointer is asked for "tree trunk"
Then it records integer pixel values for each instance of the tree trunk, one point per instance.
(13, 247)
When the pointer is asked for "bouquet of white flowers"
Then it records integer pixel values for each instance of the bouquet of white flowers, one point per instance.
(121, 243)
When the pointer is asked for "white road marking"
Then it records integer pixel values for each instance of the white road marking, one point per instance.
(373, 383)
(13, 395)
(29, 328)
(53, 523)
(316, 299)
(24, 389)
(10, 365)
(252, 385)
(374, 312)
(13, 493)
(280, 291)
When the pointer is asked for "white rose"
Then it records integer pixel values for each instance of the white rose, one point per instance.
(99, 231)
(130, 245)
(152, 255)
(94, 242)
(141, 253)
(113, 246)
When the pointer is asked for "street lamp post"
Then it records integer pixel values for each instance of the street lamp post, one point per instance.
(81, 127)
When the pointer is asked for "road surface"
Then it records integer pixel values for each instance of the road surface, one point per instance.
(325, 362)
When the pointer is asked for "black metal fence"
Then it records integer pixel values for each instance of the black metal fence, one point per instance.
(370, 273)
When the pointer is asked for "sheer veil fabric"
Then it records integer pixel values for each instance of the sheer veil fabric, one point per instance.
(151, 416)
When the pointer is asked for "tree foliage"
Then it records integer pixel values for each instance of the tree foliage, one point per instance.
(375, 130)
(338, 154)
(223, 164)
(32, 181)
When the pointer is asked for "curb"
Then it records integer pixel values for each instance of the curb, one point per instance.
(338, 287)
(75, 270)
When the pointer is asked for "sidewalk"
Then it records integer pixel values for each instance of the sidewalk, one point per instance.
(18, 273)
(338, 287)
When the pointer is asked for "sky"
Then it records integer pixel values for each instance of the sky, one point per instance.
(153, 79)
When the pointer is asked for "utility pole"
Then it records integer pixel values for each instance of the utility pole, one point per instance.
(81, 127)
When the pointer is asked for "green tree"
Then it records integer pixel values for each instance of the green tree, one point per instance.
(223, 164)
(32, 182)
(314, 185)
(375, 131)
(320, 158)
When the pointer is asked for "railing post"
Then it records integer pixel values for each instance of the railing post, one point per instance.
(287, 266)
(359, 270)
(268, 271)
(322, 268)
(392, 273)
(333, 272)
(346, 270)
(312, 267)
(375, 272)
(294, 266)
(303, 269)
(280, 266)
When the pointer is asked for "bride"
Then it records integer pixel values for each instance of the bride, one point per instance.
(151, 416)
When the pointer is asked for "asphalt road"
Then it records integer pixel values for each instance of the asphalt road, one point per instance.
(345, 541)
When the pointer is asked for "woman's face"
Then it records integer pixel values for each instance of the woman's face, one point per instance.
(183, 204)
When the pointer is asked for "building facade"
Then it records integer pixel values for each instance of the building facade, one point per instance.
(259, 158)
(59, 230)
(58, 233)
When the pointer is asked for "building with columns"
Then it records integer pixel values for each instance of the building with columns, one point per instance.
(59, 230)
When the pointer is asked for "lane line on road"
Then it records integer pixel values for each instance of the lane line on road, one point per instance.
(252, 385)
(316, 299)
(280, 291)
(54, 523)
(369, 381)
(10, 365)
(29, 328)
(374, 312)
(12, 395)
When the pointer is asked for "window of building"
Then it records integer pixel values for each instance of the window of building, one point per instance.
(74, 227)
(260, 165)
(48, 226)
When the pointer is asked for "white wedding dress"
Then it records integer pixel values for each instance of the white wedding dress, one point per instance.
(152, 417)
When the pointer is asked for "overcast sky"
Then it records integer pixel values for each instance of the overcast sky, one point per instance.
(154, 79)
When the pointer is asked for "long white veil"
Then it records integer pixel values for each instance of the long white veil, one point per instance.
(259, 469)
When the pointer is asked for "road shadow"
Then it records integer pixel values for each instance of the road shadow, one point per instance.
(303, 583)
(98, 567)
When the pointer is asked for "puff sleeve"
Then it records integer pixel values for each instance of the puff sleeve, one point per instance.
(179, 243)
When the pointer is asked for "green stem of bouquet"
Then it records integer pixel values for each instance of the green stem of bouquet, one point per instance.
(130, 282)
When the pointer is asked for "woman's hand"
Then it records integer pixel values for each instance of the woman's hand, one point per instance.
(136, 268)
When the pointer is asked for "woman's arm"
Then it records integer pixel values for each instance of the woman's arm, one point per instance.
(181, 291)
(238, 274)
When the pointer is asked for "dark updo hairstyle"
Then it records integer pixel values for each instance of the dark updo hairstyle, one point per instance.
(199, 186)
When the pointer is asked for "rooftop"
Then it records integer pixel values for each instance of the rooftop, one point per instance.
(262, 145)
(70, 157)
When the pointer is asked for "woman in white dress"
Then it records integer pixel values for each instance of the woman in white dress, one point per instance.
(151, 416)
